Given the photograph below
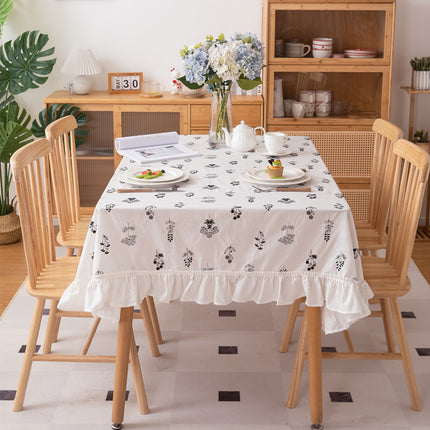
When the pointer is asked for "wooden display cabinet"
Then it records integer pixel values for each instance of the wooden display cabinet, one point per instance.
(118, 115)
(362, 84)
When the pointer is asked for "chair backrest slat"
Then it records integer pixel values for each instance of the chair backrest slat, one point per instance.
(31, 171)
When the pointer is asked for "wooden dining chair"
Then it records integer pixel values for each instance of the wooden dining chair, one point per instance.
(371, 232)
(74, 226)
(49, 276)
(387, 276)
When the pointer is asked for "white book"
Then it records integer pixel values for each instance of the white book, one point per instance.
(148, 148)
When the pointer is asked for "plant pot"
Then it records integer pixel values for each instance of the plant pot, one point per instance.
(421, 80)
(10, 228)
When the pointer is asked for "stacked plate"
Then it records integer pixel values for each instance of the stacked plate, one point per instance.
(290, 176)
(171, 176)
(360, 53)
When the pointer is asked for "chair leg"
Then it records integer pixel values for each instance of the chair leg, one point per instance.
(289, 325)
(50, 328)
(70, 252)
(56, 329)
(28, 356)
(388, 328)
(348, 341)
(148, 328)
(137, 377)
(90, 337)
(298, 365)
(406, 357)
(154, 319)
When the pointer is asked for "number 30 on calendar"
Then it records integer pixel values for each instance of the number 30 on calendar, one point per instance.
(125, 83)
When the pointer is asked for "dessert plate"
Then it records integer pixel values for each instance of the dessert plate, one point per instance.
(281, 153)
(124, 177)
(170, 174)
(289, 174)
(274, 182)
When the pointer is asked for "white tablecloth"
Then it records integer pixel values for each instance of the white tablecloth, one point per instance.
(221, 241)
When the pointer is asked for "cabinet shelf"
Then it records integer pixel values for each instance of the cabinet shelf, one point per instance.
(362, 84)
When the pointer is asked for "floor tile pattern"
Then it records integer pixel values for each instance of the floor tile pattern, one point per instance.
(219, 369)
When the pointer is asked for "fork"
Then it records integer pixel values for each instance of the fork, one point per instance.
(285, 189)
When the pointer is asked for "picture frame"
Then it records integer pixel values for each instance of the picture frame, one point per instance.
(125, 82)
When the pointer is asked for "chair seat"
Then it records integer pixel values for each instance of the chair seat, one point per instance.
(75, 236)
(368, 237)
(382, 278)
(57, 276)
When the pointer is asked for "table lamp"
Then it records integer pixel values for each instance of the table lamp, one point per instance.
(81, 62)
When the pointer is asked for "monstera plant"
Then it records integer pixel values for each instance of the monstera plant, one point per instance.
(25, 63)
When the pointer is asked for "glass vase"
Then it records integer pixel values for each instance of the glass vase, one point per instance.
(221, 116)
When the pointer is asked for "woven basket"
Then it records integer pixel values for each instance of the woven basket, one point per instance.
(10, 228)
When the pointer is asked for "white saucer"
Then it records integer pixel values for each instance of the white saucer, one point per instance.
(289, 174)
(274, 182)
(170, 174)
(263, 151)
(123, 177)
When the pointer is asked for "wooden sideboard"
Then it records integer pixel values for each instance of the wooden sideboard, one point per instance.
(118, 115)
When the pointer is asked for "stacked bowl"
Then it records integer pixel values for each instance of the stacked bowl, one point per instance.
(360, 53)
(322, 47)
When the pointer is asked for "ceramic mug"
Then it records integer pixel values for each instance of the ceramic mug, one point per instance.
(307, 96)
(323, 96)
(288, 104)
(298, 109)
(296, 50)
(274, 141)
(323, 109)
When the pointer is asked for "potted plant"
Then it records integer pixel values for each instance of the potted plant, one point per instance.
(421, 136)
(25, 63)
(420, 73)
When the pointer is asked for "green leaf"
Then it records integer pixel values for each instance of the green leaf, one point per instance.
(5, 7)
(189, 85)
(24, 63)
(60, 110)
(14, 132)
(248, 84)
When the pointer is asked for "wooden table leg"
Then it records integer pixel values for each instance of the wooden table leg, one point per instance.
(315, 377)
(121, 367)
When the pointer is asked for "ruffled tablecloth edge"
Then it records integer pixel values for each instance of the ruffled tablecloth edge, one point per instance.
(343, 300)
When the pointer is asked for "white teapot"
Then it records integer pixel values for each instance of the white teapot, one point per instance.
(242, 138)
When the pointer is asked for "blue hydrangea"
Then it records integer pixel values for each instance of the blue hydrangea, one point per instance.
(250, 55)
(196, 66)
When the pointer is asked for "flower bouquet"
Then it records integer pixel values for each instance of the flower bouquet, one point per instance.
(218, 63)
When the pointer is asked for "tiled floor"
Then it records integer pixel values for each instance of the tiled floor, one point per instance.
(218, 370)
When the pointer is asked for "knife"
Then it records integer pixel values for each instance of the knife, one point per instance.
(145, 190)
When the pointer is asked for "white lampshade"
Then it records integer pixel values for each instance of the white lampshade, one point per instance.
(81, 62)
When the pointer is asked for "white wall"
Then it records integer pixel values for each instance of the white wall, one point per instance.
(127, 35)
(136, 35)
(147, 35)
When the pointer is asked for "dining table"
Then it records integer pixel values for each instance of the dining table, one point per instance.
(218, 231)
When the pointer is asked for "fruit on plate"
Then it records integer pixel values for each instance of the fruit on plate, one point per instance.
(149, 174)
(275, 169)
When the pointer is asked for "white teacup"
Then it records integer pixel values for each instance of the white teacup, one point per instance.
(274, 141)
(299, 109)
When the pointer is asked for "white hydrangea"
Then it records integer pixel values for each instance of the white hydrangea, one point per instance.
(222, 59)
